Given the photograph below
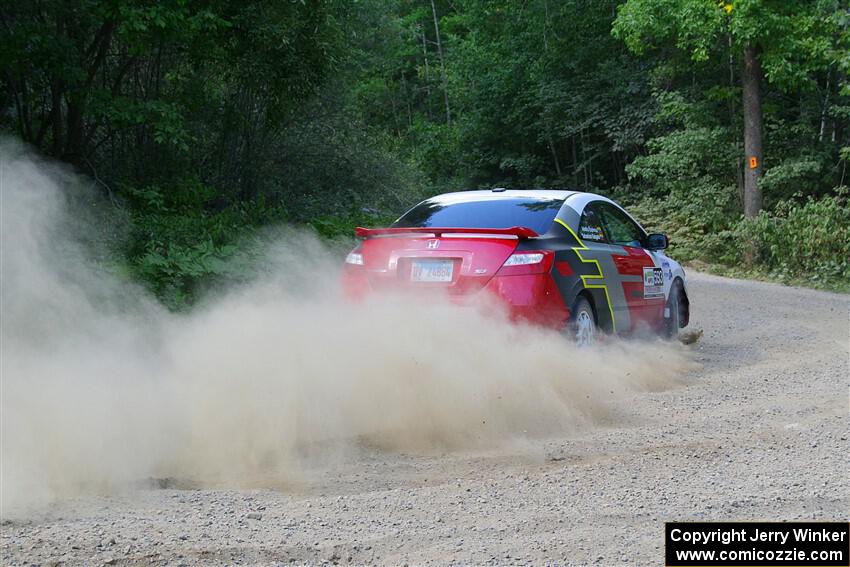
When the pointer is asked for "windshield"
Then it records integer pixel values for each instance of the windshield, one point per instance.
(536, 213)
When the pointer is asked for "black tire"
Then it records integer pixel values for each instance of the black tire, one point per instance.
(583, 326)
(670, 329)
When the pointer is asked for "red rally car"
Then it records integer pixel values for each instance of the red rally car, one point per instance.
(567, 260)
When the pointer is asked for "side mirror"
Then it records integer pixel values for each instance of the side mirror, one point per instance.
(657, 241)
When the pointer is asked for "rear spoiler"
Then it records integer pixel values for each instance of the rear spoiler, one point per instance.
(518, 231)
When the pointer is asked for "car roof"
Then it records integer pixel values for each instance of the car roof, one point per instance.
(482, 194)
(573, 201)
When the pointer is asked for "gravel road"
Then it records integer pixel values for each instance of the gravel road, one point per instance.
(759, 432)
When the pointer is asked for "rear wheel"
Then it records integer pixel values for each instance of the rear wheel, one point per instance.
(674, 310)
(582, 327)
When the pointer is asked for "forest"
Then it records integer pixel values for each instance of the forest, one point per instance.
(201, 123)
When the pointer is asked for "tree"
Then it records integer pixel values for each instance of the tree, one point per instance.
(542, 95)
(782, 43)
(442, 62)
(122, 82)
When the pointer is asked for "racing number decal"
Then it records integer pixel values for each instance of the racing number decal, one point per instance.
(653, 283)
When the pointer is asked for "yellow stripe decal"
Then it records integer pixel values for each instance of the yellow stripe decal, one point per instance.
(601, 276)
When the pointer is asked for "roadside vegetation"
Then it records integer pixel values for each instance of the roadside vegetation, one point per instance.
(203, 122)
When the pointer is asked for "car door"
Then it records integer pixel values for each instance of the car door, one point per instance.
(601, 277)
(642, 281)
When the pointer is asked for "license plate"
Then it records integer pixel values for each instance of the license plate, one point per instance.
(431, 271)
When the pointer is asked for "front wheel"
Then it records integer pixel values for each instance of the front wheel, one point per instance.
(582, 325)
(672, 310)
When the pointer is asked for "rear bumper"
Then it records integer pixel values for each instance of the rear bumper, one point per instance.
(532, 298)
(355, 283)
(528, 298)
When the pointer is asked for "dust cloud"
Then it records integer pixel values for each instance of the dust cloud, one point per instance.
(102, 388)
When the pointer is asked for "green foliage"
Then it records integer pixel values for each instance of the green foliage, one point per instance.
(796, 37)
(330, 162)
(807, 241)
(692, 236)
(802, 241)
(340, 226)
(794, 175)
(178, 244)
(691, 176)
(689, 167)
(118, 86)
(207, 120)
(690, 25)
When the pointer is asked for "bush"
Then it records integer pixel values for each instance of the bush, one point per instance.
(696, 230)
(686, 188)
(798, 242)
(808, 241)
(341, 226)
(182, 239)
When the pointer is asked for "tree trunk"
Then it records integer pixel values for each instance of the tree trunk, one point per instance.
(395, 113)
(407, 100)
(56, 117)
(575, 160)
(554, 153)
(824, 108)
(733, 118)
(427, 77)
(442, 63)
(74, 132)
(751, 78)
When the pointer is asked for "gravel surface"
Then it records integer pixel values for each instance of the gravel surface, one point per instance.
(759, 432)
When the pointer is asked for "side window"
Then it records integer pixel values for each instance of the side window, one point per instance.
(621, 230)
(590, 227)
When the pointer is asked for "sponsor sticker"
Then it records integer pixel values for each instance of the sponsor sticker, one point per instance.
(591, 233)
(668, 271)
(653, 283)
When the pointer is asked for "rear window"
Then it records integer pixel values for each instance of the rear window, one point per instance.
(494, 212)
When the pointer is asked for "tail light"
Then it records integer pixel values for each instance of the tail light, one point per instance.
(354, 258)
(524, 259)
(527, 262)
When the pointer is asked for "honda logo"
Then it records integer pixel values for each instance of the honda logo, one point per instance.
(432, 244)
